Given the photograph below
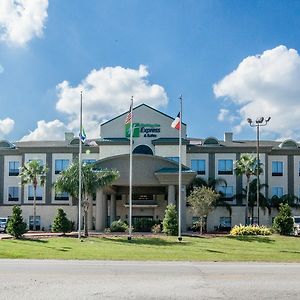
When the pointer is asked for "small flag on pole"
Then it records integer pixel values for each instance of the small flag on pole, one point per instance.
(176, 123)
(129, 115)
(82, 135)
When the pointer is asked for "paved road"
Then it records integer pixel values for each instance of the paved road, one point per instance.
(54, 279)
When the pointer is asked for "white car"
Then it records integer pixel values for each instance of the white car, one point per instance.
(3, 224)
(296, 225)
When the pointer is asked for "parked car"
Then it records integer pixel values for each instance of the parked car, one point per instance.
(296, 225)
(3, 224)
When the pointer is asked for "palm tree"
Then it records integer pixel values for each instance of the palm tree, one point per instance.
(33, 173)
(247, 165)
(68, 181)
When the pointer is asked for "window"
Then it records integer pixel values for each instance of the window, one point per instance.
(198, 165)
(61, 165)
(89, 161)
(277, 191)
(14, 168)
(225, 222)
(39, 193)
(173, 158)
(227, 191)
(40, 161)
(225, 167)
(37, 222)
(61, 196)
(13, 193)
(277, 168)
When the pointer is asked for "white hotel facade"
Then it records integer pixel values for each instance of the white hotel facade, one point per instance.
(155, 172)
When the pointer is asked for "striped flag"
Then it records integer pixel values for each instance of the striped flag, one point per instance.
(176, 123)
(129, 115)
(82, 135)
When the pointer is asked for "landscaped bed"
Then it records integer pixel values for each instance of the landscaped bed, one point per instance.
(110, 247)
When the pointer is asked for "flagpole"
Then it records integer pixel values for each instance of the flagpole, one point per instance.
(130, 171)
(80, 159)
(179, 179)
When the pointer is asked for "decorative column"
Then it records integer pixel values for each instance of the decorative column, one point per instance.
(90, 213)
(171, 194)
(183, 208)
(112, 207)
(101, 210)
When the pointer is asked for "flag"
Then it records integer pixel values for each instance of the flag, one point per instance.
(82, 135)
(176, 123)
(129, 115)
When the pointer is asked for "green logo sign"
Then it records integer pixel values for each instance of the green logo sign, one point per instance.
(141, 129)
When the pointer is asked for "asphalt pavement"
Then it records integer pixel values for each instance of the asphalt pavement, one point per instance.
(57, 279)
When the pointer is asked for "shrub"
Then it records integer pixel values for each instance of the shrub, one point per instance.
(250, 230)
(170, 222)
(156, 228)
(61, 222)
(16, 227)
(118, 226)
(144, 225)
(284, 223)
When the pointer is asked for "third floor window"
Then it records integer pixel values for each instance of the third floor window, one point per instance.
(198, 165)
(225, 167)
(277, 168)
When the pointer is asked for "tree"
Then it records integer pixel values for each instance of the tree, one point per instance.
(68, 181)
(170, 221)
(61, 222)
(284, 222)
(202, 201)
(33, 173)
(16, 227)
(247, 165)
(291, 200)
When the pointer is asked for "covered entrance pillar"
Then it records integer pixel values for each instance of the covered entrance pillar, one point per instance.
(101, 210)
(171, 194)
(112, 207)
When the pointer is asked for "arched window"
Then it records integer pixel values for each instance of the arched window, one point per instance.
(211, 141)
(143, 149)
(288, 144)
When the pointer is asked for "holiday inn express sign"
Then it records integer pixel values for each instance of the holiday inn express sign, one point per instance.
(143, 130)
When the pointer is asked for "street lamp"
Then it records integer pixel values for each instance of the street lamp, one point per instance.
(259, 122)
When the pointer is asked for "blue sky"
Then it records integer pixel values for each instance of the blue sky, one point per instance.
(229, 59)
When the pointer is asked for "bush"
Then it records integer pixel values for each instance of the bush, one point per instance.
(156, 228)
(16, 227)
(170, 222)
(250, 230)
(61, 222)
(284, 222)
(118, 226)
(144, 225)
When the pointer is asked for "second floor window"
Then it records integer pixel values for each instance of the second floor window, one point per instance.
(39, 193)
(277, 168)
(226, 191)
(13, 193)
(225, 167)
(61, 165)
(61, 196)
(13, 168)
(198, 165)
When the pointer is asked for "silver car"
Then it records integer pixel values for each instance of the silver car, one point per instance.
(3, 224)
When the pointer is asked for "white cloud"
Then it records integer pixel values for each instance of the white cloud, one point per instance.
(106, 93)
(266, 85)
(6, 126)
(53, 130)
(21, 20)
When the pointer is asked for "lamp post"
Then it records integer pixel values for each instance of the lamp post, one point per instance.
(259, 122)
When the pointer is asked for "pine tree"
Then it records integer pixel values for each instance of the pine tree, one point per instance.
(170, 222)
(61, 222)
(284, 222)
(16, 226)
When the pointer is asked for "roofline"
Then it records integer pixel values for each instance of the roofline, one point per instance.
(142, 104)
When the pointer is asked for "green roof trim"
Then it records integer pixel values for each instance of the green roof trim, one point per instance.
(174, 170)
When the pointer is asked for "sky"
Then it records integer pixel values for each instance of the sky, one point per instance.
(229, 59)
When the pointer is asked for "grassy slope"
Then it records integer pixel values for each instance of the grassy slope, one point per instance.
(273, 248)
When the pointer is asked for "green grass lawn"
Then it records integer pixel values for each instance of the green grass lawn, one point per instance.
(253, 248)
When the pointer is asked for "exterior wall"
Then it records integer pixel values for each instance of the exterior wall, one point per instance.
(111, 150)
(56, 156)
(296, 176)
(11, 181)
(171, 150)
(33, 156)
(278, 181)
(46, 212)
